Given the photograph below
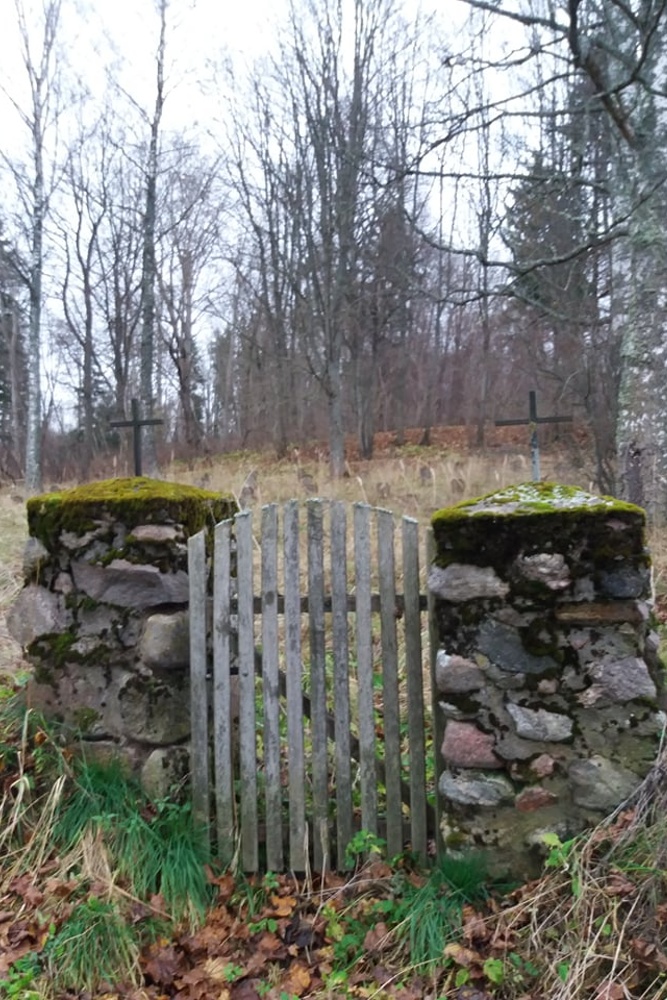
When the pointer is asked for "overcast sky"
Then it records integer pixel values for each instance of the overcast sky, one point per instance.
(121, 36)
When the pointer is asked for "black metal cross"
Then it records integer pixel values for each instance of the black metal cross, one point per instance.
(532, 421)
(136, 423)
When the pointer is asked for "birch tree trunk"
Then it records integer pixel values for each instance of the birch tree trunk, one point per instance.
(39, 64)
(149, 267)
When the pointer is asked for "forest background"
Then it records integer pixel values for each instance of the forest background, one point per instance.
(373, 216)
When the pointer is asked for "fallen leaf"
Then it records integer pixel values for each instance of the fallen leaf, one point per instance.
(462, 956)
(475, 927)
(282, 905)
(245, 990)
(269, 943)
(163, 966)
(619, 885)
(414, 990)
(381, 975)
(24, 887)
(610, 990)
(468, 992)
(377, 938)
(298, 979)
(217, 969)
(59, 888)
(226, 884)
(378, 869)
(649, 953)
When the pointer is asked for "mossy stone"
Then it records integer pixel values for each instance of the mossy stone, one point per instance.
(132, 501)
(540, 517)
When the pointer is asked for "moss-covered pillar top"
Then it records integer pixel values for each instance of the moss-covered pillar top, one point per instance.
(540, 541)
(121, 541)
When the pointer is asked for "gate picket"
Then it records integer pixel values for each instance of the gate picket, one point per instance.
(273, 796)
(222, 696)
(298, 848)
(341, 675)
(364, 641)
(247, 716)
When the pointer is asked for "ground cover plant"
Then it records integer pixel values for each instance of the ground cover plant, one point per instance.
(106, 894)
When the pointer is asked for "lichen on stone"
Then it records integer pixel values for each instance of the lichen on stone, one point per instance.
(538, 498)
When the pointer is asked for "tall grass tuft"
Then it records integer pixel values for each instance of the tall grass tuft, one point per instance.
(154, 848)
(434, 910)
(167, 854)
(102, 792)
(94, 947)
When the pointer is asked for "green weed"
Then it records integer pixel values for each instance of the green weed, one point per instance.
(20, 981)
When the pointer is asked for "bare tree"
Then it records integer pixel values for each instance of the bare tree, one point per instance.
(189, 243)
(34, 185)
(85, 210)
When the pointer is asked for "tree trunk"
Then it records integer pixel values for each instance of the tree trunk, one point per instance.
(149, 269)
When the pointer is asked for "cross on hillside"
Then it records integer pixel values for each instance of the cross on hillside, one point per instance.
(532, 421)
(136, 423)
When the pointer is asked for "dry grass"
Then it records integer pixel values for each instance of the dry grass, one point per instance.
(414, 481)
(13, 532)
(594, 924)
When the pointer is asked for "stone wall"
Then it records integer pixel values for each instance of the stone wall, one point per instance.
(103, 615)
(548, 681)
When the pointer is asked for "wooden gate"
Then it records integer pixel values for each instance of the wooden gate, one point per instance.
(323, 732)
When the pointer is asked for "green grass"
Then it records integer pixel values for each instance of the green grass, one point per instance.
(434, 909)
(94, 946)
(155, 848)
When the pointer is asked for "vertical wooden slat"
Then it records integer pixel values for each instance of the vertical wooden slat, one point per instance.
(438, 720)
(318, 725)
(364, 648)
(415, 684)
(294, 683)
(222, 714)
(341, 680)
(273, 799)
(247, 718)
(392, 733)
(198, 686)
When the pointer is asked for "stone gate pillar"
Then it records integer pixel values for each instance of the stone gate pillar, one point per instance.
(548, 680)
(103, 614)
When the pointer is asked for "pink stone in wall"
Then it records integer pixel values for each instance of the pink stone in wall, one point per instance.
(465, 745)
(534, 798)
(543, 765)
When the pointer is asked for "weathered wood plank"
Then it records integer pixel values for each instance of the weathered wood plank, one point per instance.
(270, 667)
(222, 712)
(198, 687)
(328, 607)
(318, 723)
(364, 650)
(341, 680)
(298, 853)
(390, 706)
(415, 686)
(247, 715)
(438, 719)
